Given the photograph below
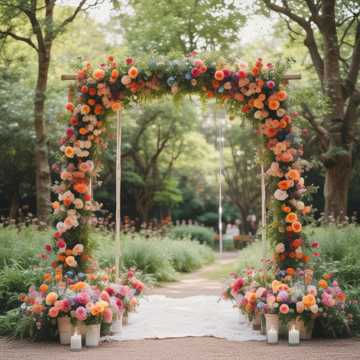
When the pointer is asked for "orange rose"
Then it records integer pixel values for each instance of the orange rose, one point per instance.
(219, 75)
(281, 95)
(323, 284)
(115, 74)
(47, 277)
(285, 184)
(43, 288)
(296, 227)
(37, 308)
(309, 300)
(291, 217)
(133, 72)
(273, 104)
(99, 109)
(258, 104)
(291, 271)
(293, 174)
(55, 205)
(60, 258)
(286, 209)
(81, 187)
(83, 131)
(99, 74)
(69, 152)
(51, 298)
(116, 106)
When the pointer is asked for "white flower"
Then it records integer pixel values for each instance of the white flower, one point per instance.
(280, 248)
(280, 195)
(314, 309)
(300, 205)
(78, 203)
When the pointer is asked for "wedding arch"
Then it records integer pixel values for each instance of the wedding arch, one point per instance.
(256, 91)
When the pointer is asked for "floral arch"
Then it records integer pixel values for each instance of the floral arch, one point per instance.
(254, 91)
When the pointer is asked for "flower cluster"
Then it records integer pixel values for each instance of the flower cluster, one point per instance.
(296, 297)
(92, 301)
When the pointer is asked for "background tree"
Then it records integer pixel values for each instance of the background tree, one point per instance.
(179, 26)
(34, 23)
(241, 171)
(330, 30)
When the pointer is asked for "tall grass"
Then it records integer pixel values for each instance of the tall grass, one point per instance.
(157, 256)
(340, 251)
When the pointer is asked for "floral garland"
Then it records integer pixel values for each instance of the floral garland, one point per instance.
(255, 91)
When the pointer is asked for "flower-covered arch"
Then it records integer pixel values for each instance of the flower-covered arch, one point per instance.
(254, 91)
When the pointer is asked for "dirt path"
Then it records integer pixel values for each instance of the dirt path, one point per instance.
(208, 281)
(200, 282)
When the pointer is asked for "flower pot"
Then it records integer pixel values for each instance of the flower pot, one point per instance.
(117, 324)
(125, 319)
(304, 329)
(65, 329)
(262, 325)
(256, 325)
(272, 321)
(92, 335)
(81, 329)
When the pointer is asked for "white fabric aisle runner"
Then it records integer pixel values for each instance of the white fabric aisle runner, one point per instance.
(163, 317)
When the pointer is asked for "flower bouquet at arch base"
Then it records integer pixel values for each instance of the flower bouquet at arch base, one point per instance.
(89, 305)
(285, 298)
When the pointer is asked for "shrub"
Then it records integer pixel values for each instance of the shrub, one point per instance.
(339, 249)
(251, 255)
(15, 280)
(202, 234)
(159, 257)
(21, 245)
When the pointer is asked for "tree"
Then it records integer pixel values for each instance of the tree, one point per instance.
(154, 139)
(179, 25)
(33, 23)
(241, 171)
(330, 30)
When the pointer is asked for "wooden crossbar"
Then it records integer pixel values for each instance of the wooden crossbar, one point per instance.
(286, 77)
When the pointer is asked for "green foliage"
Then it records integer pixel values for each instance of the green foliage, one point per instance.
(158, 257)
(14, 280)
(193, 232)
(179, 26)
(21, 245)
(251, 255)
(339, 248)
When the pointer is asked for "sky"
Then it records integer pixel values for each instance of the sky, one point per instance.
(257, 27)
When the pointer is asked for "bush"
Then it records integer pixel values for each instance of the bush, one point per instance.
(15, 280)
(159, 257)
(202, 234)
(339, 249)
(251, 255)
(21, 245)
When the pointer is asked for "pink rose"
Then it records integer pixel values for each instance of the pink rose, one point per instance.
(53, 312)
(105, 296)
(83, 298)
(108, 315)
(280, 195)
(81, 313)
(284, 308)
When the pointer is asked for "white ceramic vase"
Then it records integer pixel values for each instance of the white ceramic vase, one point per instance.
(272, 321)
(92, 335)
(65, 329)
(117, 323)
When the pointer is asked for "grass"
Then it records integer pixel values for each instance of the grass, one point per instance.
(160, 257)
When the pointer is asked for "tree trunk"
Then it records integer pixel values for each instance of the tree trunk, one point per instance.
(336, 189)
(14, 205)
(41, 149)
